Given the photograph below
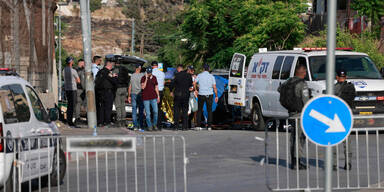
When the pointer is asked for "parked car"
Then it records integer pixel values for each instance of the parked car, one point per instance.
(23, 121)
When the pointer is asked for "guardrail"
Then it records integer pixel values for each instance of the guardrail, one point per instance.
(108, 163)
(361, 149)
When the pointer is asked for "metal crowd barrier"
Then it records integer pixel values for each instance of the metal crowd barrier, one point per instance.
(367, 156)
(92, 164)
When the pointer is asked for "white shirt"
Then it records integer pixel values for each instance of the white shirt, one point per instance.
(95, 69)
(160, 76)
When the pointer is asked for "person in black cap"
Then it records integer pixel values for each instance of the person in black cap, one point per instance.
(181, 86)
(346, 91)
(151, 98)
(207, 86)
(71, 79)
(105, 84)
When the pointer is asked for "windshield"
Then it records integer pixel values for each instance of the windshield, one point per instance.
(357, 67)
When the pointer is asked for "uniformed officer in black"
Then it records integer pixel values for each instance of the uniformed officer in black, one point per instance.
(106, 82)
(181, 86)
(346, 91)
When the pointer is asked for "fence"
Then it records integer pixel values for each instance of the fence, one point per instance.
(364, 144)
(111, 163)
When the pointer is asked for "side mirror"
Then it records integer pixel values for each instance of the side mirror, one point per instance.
(53, 114)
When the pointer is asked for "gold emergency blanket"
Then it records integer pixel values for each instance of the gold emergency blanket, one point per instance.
(167, 104)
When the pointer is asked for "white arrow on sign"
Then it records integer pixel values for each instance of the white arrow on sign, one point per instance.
(335, 125)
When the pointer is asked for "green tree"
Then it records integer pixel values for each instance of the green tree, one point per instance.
(94, 5)
(280, 29)
(368, 44)
(373, 9)
(215, 29)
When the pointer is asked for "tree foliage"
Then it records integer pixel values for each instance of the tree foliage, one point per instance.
(373, 9)
(94, 5)
(368, 44)
(215, 29)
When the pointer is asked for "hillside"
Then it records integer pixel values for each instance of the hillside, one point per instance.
(112, 26)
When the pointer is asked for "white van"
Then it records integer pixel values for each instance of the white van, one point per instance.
(24, 122)
(256, 89)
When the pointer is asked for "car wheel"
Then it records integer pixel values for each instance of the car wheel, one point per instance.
(257, 118)
(55, 176)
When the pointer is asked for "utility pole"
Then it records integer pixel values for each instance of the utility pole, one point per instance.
(331, 45)
(133, 37)
(60, 64)
(87, 48)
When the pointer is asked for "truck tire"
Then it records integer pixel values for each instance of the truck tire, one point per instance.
(257, 118)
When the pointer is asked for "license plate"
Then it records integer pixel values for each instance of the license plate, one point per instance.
(366, 113)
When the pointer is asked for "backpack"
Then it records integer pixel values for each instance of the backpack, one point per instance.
(288, 98)
(348, 93)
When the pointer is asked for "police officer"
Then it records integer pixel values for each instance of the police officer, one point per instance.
(106, 82)
(81, 102)
(346, 91)
(181, 86)
(301, 94)
(121, 92)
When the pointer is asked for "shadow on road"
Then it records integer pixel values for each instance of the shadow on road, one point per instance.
(284, 163)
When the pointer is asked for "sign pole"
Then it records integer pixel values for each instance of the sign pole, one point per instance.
(331, 45)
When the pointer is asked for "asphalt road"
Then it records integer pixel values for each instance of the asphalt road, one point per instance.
(218, 160)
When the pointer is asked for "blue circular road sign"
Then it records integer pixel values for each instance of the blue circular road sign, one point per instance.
(326, 120)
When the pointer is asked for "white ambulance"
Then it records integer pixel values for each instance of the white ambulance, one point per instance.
(26, 152)
(255, 89)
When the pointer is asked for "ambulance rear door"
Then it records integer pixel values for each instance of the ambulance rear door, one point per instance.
(236, 85)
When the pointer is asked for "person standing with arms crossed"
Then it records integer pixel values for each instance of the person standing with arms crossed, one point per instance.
(134, 97)
(71, 79)
(160, 76)
(151, 98)
(207, 86)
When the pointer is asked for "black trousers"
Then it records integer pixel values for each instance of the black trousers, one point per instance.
(99, 99)
(181, 110)
(106, 106)
(160, 116)
(208, 99)
(72, 99)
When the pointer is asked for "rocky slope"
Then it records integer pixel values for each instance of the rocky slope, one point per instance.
(112, 26)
